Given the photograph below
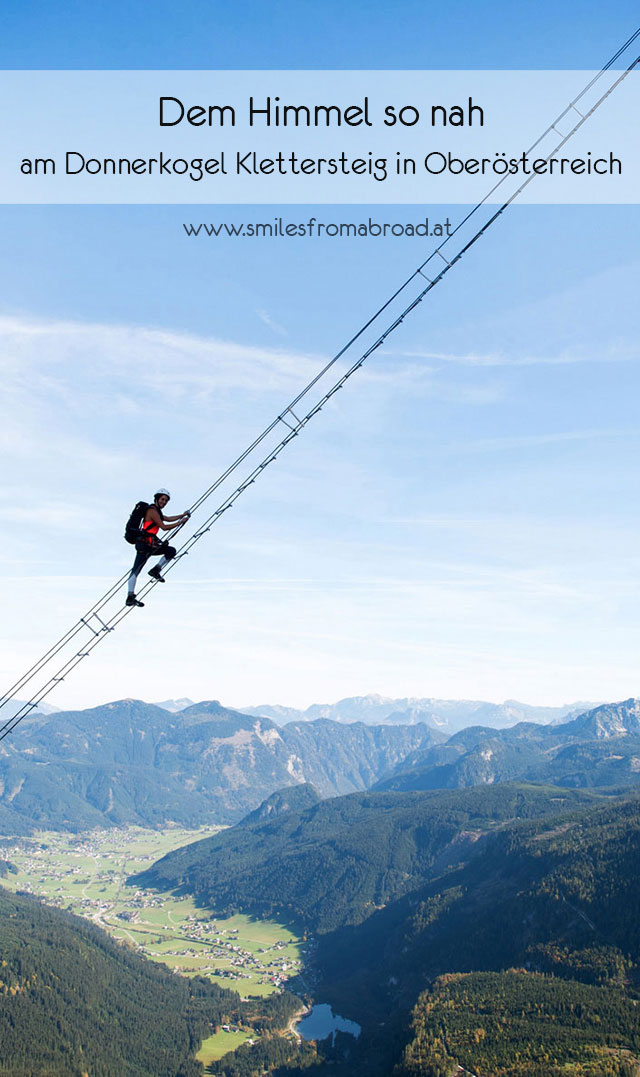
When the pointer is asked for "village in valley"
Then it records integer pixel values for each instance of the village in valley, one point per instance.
(87, 874)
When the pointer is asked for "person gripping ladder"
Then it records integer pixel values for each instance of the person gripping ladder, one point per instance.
(142, 532)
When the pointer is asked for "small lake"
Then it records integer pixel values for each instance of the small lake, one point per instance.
(323, 1022)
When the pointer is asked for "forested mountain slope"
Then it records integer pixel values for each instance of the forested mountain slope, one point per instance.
(568, 880)
(557, 896)
(73, 1001)
(334, 862)
(521, 1024)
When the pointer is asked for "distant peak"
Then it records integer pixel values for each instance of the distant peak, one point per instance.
(174, 706)
(206, 706)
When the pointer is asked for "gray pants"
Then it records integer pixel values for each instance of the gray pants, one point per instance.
(145, 550)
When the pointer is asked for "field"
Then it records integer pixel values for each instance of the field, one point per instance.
(217, 1046)
(86, 874)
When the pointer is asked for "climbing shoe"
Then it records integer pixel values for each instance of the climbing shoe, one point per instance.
(155, 574)
(133, 601)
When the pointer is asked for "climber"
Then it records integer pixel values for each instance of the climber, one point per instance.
(145, 522)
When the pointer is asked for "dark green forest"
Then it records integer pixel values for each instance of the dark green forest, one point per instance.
(73, 1001)
(521, 1024)
(271, 1054)
(420, 886)
(557, 896)
(336, 862)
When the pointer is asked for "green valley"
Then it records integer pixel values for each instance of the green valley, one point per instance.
(86, 874)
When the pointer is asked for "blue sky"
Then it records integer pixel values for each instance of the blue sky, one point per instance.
(462, 521)
(329, 34)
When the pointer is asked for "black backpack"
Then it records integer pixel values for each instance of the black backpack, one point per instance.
(134, 523)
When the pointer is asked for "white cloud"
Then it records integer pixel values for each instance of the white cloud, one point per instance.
(164, 361)
(615, 354)
(265, 317)
(62, 359)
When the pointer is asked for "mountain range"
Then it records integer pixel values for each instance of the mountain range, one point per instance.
(133, 762)
(596, 749)
(447, 715)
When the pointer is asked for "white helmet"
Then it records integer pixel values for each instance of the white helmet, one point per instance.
(161, 492)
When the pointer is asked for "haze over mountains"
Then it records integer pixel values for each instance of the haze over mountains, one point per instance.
(448, 715)
(11, 708)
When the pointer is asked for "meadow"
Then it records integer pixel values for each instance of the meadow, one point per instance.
(87, 874)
